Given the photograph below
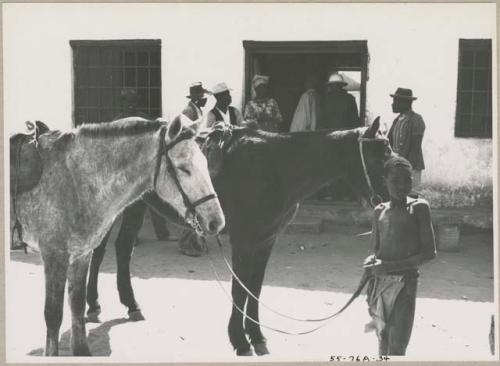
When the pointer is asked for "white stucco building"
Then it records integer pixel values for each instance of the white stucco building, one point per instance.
(392, 45)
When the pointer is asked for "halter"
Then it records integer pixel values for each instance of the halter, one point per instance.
(163, 152)
(375, 199)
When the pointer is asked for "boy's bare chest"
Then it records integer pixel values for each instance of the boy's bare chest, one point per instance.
(399, 237)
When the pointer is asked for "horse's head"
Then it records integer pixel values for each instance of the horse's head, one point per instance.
(373, 150)
(184, 181)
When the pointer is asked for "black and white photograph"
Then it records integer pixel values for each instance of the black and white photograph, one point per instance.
(250, 182)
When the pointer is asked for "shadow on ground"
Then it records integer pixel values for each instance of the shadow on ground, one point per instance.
(327, 262)
(99, 335)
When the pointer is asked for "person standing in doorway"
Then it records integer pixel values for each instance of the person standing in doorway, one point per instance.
(263, 109)
(307, 113)
(407, 132)
(223, 111)
(341, 110)
(341, 113)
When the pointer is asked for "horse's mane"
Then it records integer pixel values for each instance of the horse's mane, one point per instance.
(119, 128)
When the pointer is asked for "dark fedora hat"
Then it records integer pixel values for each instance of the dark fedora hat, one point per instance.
(196, 91)
(404, 93)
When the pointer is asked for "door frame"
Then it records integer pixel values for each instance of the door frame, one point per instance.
(252, 48)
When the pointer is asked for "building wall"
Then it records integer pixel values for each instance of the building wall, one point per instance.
(410, 45)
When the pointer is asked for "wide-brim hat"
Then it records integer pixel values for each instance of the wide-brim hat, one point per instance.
(220, 88)
(260, 79)
(196, 91)
(404, 94)
(336, 78)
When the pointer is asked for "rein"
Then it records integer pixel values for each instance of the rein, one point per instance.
(327, 319)
(163, 149)
(375, 199)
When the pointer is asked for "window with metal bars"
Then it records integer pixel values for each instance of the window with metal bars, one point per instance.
(102, 68)
(474, 108)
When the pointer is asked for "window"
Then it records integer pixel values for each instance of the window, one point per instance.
(102, 68)
(286, 63)
(474, 109)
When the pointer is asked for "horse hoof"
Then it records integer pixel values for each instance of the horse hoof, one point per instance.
(136, 316)
(260, 349)
(93, 317)
(244, 352)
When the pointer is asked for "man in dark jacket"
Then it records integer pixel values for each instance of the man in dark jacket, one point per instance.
(341, 110)
(407, 132)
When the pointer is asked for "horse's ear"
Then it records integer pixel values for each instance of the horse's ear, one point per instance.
(174, 128)
(372, 130)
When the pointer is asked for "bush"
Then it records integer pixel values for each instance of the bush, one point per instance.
(447, 196)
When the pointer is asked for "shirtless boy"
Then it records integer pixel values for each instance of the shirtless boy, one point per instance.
(402, 240)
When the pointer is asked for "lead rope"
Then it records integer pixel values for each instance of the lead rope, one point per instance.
(327, 319)
(373, 195)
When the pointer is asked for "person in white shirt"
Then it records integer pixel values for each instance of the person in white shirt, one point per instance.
(308, 109)
(223, 111)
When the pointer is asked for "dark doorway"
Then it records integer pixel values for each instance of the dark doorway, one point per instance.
(102, 68)
(286, 63)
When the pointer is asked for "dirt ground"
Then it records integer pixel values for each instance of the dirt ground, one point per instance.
(309, 276)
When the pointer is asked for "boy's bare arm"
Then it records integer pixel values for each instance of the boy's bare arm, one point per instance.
(427, 242)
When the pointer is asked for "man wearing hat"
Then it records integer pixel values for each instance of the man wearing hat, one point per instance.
(198, 99)
(341, 110)
(407, 132)
(223, 111)
(188, 242)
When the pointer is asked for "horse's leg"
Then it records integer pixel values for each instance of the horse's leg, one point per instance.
(133, 218)
(92, 292)
(159, 226)
(55, 267)
(77, 275)
(242, 262)
(255, 286)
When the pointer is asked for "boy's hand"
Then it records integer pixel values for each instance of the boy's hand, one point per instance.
(376, 267)
(369, 260)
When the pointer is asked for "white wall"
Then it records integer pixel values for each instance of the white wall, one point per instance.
(410, 45)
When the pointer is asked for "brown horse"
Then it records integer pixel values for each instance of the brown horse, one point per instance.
(260, 178)
(90, 175)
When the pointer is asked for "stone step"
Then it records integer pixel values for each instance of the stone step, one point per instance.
(305, 224)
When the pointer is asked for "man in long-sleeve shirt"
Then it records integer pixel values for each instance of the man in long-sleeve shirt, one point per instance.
(407, 132)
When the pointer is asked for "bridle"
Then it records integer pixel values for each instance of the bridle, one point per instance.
(375, 199)
(163, 148)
